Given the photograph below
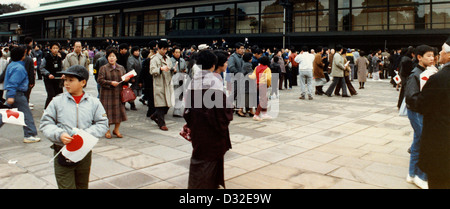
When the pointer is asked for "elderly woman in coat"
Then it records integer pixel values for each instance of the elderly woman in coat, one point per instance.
(162, 71)
(109, 78)
(361, 64)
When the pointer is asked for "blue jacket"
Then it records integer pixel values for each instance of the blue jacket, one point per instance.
(16, 79)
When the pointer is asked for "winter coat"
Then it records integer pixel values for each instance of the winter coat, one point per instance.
(412, 90)
(73, 59)
(361, 64)
(16, 79)
(63, 114)
(162, 81)
(337, 68)
(318, 66)
(433, 104)
(110, 95)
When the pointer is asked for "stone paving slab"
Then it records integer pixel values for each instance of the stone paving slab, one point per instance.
(327, 143)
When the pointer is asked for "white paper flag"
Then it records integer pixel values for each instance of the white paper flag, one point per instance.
(425, 75)
(129, 75)
(80, 146)
(13, 116)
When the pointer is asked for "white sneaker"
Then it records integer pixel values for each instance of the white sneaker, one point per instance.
(409, 179)
(257, 118)
(31, 139)
(265, 116)
(420, 183)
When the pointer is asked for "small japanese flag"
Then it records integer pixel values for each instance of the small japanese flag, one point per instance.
(397, 79)
(80, 146)
(12, 116)
(425, 75)
(129, 75)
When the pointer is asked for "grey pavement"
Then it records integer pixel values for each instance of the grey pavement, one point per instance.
(326, 143)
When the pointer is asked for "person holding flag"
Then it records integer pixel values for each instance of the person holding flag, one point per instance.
(66, 114)
(16, 85)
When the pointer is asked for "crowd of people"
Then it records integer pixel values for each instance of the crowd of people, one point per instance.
(208, 84)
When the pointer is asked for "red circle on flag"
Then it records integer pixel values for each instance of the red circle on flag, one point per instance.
(75, 144)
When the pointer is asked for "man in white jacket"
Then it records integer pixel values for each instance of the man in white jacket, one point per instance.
(305, 70)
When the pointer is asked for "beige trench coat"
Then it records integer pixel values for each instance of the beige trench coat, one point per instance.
(162, 81)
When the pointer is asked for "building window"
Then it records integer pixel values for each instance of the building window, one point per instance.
(203, 9)
(272, 14)
(165, 21)
(51, 29)
(59, 29)
(151, 23)
(227, 19)
(323, 20)
(305, 15)
(98, 25)
(248, 18)
(111, 28)
(133, 24)
(67, 29)
(78, 24)
(344, 20)
(369, 19)
(401, 18)
(441, 16)
(87, 27)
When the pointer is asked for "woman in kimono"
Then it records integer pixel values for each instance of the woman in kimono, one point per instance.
(208, 121)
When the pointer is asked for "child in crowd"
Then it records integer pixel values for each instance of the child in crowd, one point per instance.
(263, 76)
(73, 109)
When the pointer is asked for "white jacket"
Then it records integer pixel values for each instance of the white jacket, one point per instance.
(305, 61)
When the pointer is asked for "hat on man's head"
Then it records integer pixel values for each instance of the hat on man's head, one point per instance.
(446, 45)
(203, 46)
(78, 71)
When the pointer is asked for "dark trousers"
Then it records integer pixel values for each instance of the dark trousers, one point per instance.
(280, 80)
(349, 85)
(336, 81)
(73, 177)
(159, 115)
(288, 77)
(53, 88)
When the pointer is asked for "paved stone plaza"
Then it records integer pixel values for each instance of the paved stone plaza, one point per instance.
(327, 143)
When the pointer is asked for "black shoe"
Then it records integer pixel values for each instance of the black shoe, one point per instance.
(345, 96)
(310, 97)
(302, 97)
(337, 94)
(143, 101)
(329, 95)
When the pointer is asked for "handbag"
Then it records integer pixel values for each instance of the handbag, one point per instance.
(127, 94)
(186, 133)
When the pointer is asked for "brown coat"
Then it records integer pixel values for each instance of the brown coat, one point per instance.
(361, 64)
(318, 66)
(110, 95)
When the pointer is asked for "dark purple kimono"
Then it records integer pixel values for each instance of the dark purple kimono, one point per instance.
(209, 130)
